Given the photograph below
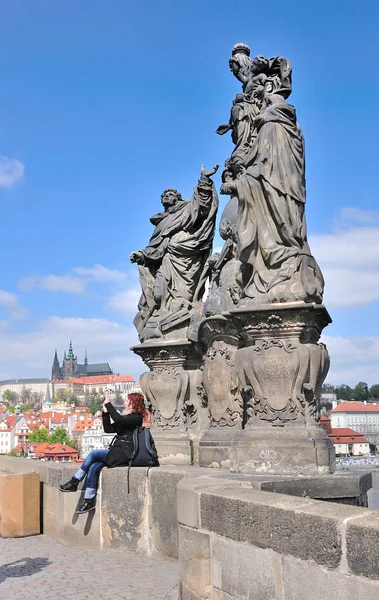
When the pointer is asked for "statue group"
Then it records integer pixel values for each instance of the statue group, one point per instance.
(246, 354)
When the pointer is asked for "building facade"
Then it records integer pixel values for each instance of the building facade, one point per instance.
(363, 417)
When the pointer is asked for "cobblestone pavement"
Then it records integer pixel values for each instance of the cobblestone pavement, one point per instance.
(38, 568)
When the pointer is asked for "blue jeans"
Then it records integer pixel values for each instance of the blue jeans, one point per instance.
(91, 467)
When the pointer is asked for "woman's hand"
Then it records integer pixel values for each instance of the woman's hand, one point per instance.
(106, 400)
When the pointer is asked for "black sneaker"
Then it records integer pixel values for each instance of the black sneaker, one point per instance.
(70, 486)
(86, 506)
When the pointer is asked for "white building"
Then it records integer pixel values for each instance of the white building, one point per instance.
(9, 428)
(18, 386)
(360, 416)
(94, 438)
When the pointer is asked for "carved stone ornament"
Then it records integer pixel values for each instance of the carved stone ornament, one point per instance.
(165, 389)
(221, 385)
(281, 380)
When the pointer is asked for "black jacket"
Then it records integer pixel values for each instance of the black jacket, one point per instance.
(123, 424)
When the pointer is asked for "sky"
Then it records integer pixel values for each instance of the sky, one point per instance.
(103, 104)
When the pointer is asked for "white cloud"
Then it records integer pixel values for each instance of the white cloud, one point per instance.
(125, 302)
(10, 303)
(54, 283)
(353, 360)
(101, 274)
(31, 354)
(11, 171)
(349, 260)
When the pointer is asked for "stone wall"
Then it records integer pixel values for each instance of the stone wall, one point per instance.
(247, 544)
(234, 541)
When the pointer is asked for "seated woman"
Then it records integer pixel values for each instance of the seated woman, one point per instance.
(135, 415)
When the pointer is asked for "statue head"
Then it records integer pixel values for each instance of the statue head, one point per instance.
(240, 62)
(170, 197)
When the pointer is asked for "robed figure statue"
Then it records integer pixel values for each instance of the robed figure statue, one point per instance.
(266, 173)
(174, 266)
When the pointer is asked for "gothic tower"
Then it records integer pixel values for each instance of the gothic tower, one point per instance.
(56, 370)
(69, 363)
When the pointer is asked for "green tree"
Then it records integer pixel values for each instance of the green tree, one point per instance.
(59, 436)
(62, 396)
(374, 391)
(344, 392)
(361, 391)
(96, 404)
(39, 436)
(10, 397)
(26, 408)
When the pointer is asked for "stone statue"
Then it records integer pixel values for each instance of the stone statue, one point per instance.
(174, 266)
(266, 172)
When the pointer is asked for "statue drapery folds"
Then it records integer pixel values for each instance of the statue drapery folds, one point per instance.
(266, 173)
(173, 267)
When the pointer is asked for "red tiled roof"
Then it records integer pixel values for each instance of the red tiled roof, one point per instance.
(345, 435)
(59, 418)
(98, 379)
(358, 407)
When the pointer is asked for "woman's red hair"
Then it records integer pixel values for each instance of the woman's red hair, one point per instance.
(137, 404)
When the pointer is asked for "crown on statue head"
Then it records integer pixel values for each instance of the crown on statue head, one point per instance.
(241, 49)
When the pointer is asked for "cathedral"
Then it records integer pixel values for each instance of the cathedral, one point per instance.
(70, 367)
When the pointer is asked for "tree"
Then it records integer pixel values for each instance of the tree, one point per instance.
(26, 408)
(361, 391)
(39, 436)
(62, 396)
(60, 436)
(96, 404)
(327, 388)
(344, 392)
(26, 395)
(10, 397)
(374, 391)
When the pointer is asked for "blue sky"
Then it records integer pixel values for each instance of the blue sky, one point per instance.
(105, 104)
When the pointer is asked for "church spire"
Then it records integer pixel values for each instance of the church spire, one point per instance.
(56, 370)
(85, 357)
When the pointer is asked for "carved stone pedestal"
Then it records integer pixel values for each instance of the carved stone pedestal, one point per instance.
(169, 393)
(221, 391)
(281, 367)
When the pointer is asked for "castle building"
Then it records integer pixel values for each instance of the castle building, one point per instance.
(71, 368)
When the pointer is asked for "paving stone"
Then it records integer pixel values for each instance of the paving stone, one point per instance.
(38, 567)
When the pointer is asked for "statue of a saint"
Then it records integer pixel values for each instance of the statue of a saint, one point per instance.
(269, 183)
(174, 266)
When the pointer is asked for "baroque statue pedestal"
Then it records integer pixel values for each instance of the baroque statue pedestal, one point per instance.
(169, 388)
(281, 367)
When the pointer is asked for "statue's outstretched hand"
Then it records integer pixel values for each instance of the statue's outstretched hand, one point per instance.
(222, 129)
(209, 173)
(136, 257)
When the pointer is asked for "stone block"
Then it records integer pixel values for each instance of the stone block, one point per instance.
(19, 504)
(362, 545)
(51, 499)
(52, 474)
(174, 452)
(327, 487)
(188, 506)
(50, 524)
(78, 531)
(195, 562)
(125, 517)
(163, 493)
(304, 528)
(245, 572)
(276, 454)
(305, 579)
